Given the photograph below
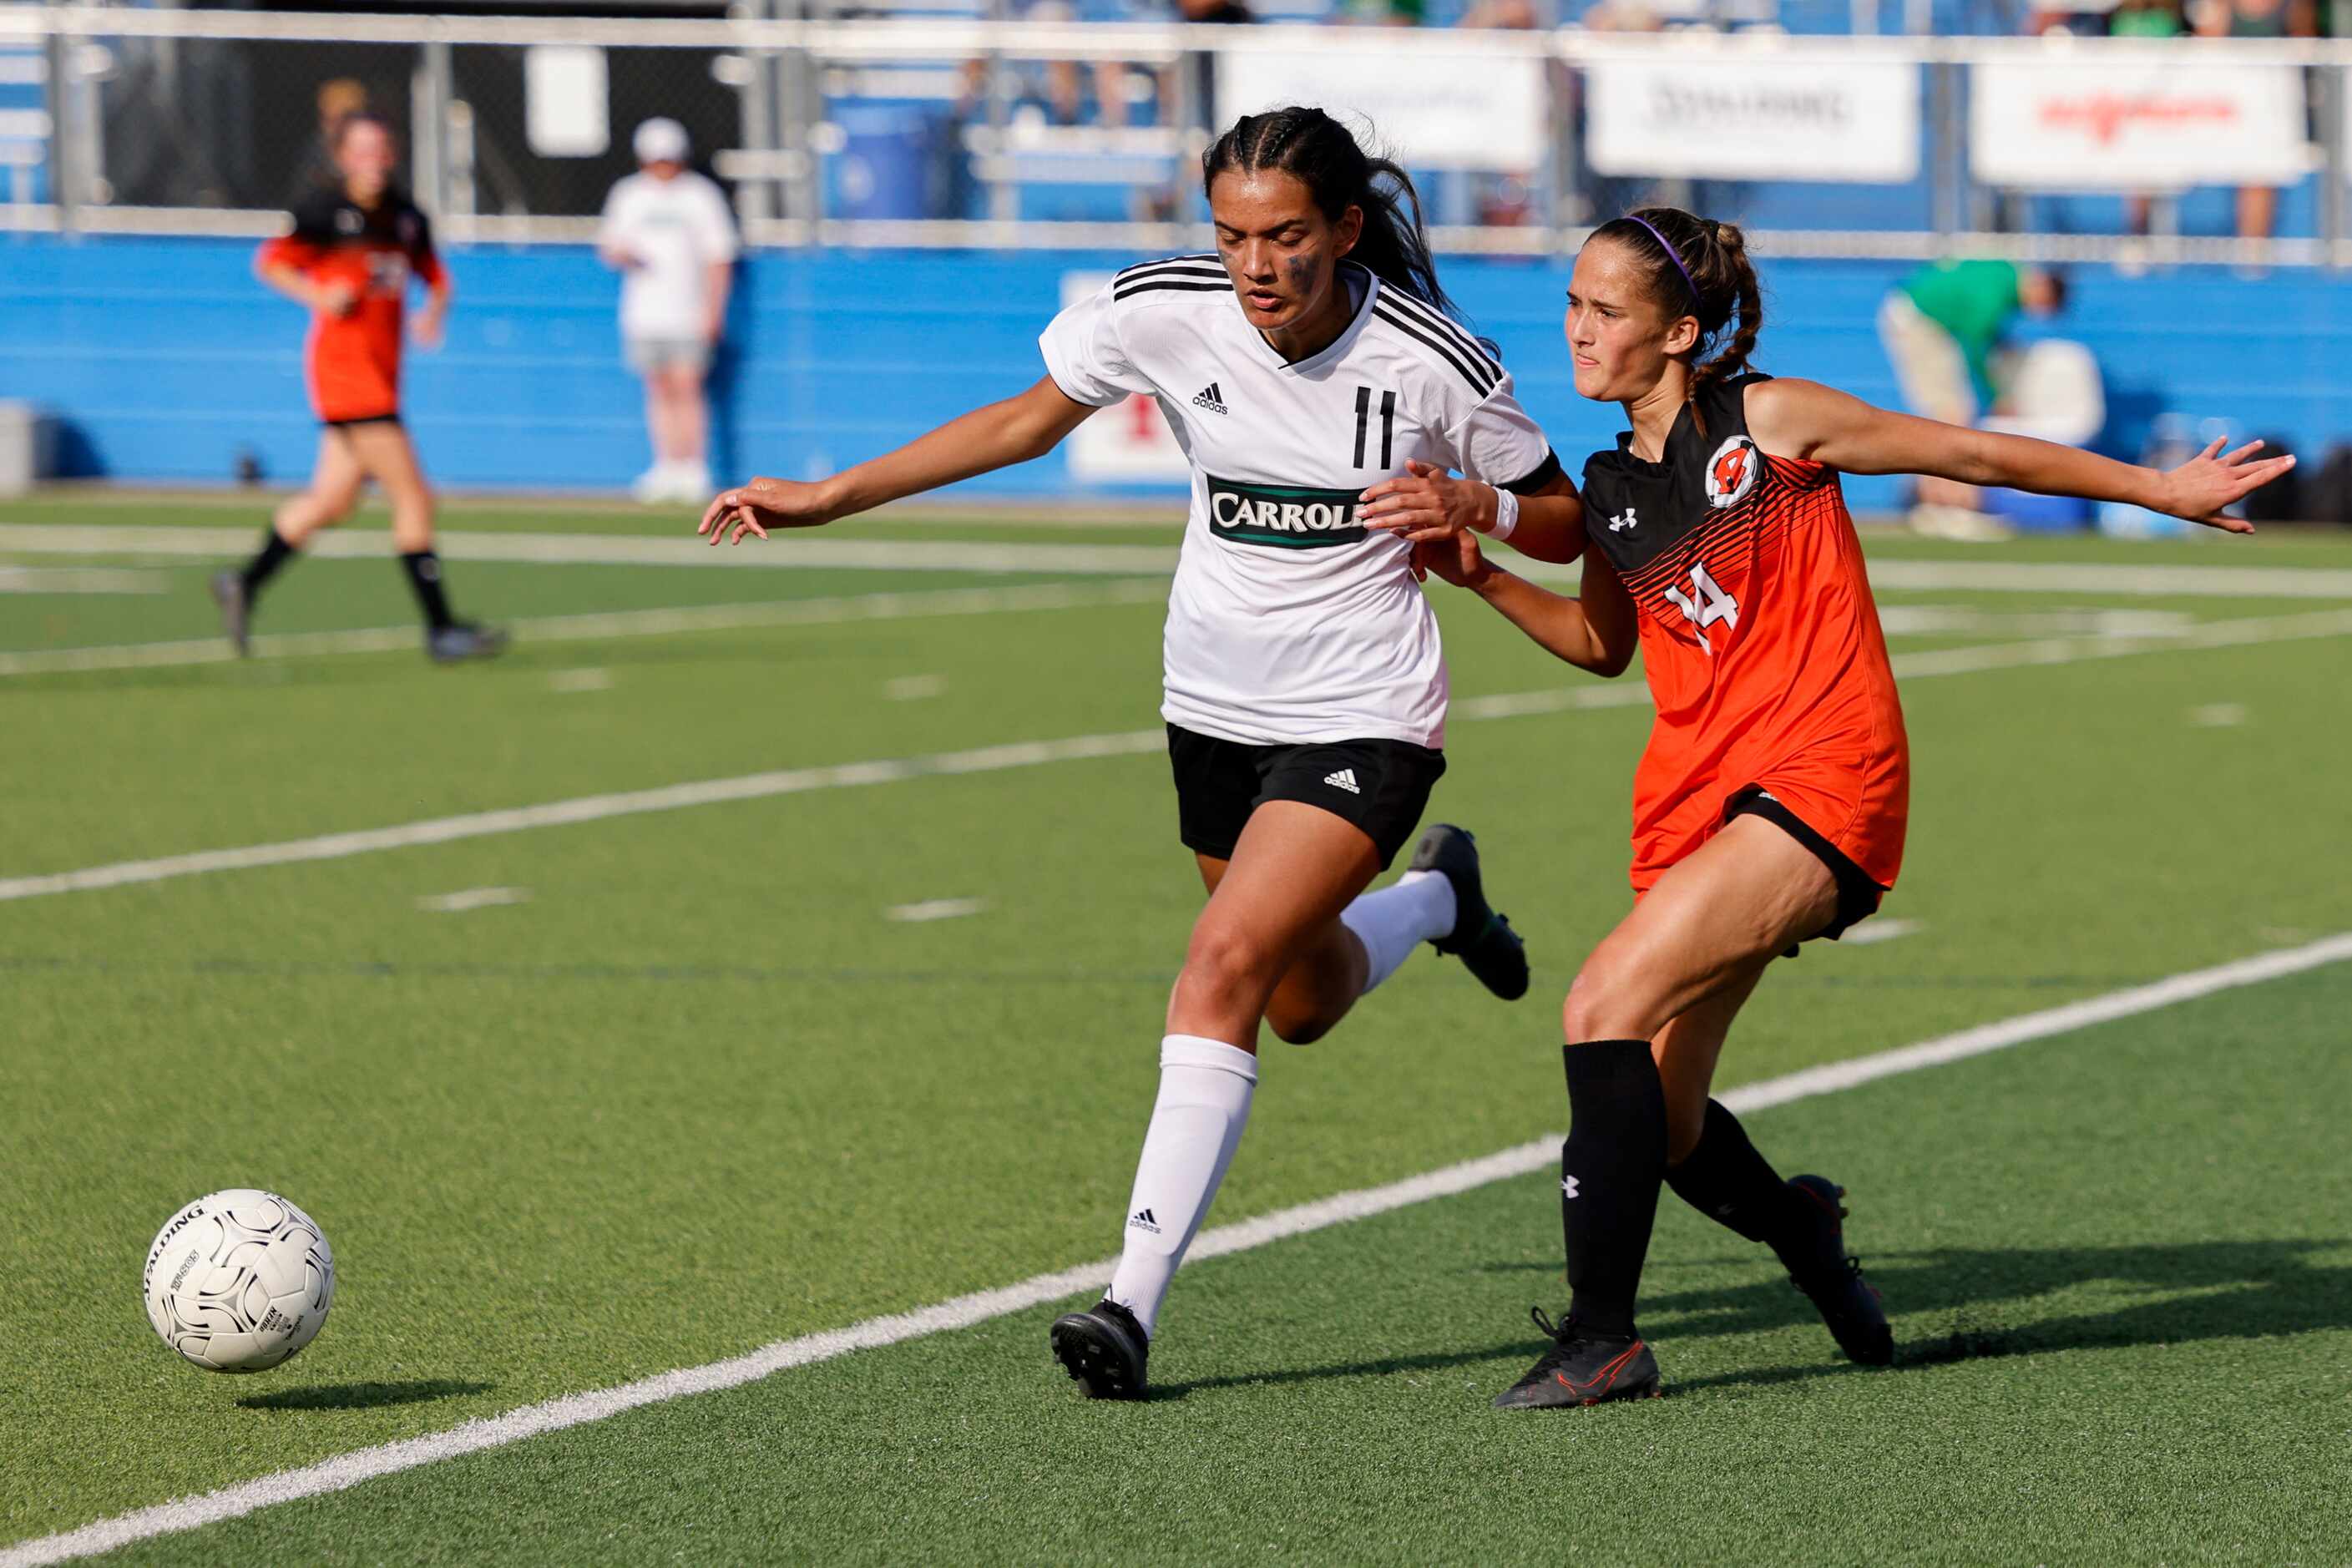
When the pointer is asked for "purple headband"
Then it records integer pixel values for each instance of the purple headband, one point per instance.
(1688, 282)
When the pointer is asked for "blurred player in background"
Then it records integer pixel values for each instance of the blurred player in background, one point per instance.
(1770, 804)
(353, 250)
(667, 231)
(1320, 385)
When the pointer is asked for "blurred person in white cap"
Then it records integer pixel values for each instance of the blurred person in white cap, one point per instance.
(667, 229)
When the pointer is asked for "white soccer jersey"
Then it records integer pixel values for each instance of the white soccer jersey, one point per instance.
(1290, 621)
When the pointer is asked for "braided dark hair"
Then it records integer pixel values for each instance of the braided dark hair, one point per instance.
(1698, 267)
(1324, 156)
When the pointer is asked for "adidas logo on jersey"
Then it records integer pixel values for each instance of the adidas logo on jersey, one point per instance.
(1210, 398)
(1141, 1220)
(1344, 779)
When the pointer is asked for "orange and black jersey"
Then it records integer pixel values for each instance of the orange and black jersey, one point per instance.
(1759, 639)
(353, 361)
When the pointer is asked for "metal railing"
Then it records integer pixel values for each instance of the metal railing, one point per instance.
(177, 122)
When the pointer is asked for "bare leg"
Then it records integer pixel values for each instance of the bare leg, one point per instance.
(689, 416)
(1709, 924)
(383, 450)
(1270, 943)
(334, 491)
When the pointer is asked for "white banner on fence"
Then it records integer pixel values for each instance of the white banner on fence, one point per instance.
(1437, 110)
(1736, 114)
(2091, 125)
(1126, 441)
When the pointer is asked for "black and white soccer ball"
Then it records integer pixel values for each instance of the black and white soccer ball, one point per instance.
(239, 1280)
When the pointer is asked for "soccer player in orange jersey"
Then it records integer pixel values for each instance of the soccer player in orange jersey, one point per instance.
(353, 250)
(1770, 804)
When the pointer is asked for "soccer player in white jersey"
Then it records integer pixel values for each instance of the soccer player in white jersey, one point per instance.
(1312, 370)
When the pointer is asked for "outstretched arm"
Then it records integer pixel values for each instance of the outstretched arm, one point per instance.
(1596, 630)
(1806, 419)
(1027, 426)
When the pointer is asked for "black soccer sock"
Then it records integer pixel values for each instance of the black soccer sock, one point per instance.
(274, 554)
(423, 570)
(1610, 1171)
(1726, 1180)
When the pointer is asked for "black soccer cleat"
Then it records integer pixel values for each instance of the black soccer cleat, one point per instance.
(1483, 940)
(1582, 1368)
(1831, 1279)
(1103, 1348)
(463, 640)
(235, 609)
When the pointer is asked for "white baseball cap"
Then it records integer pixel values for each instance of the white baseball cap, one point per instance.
(661, 139)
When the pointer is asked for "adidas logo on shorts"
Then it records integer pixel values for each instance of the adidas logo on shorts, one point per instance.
(1344, 779)
(1210, 398)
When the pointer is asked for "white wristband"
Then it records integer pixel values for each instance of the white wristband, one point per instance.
(1507, 513)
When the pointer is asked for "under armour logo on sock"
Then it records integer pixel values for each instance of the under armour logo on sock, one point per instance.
(1141, 1220)
(1568, 1186)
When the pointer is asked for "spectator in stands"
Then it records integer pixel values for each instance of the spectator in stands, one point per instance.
(2257, 205)
(1940, 326)
(2144, 19)
(667, 229)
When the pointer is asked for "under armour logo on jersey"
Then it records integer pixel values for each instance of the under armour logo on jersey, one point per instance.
(1344, 779)
(1568, 1186)
(1210, 398)
(1621, 522)
(1141, 1220)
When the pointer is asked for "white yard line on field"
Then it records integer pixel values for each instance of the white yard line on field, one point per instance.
(1870, 933)
(81, 580)
(614, 623)
(472, 899)
(934, 910)
(1034, 753)
(681, 549)
(350, 1469)
(851, 552)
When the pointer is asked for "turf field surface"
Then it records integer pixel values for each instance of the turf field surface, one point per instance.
(698, 1090)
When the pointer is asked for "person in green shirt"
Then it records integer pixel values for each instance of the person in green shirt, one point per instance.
(1941, 324)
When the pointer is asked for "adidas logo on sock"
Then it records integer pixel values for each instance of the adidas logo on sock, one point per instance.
(1344, 779)
(1210, 398)
(1141, 1220)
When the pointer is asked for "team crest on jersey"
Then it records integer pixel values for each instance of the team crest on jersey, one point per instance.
(1731, 472)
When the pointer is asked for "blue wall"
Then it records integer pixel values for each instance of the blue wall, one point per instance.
(164, 358)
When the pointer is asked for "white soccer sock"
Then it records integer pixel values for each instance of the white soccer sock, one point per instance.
(1417, 907)
(1196, 1124)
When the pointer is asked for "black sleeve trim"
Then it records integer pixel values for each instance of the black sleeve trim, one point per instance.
(1546, 472)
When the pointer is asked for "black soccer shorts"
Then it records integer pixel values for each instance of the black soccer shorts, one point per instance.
(1381, 787)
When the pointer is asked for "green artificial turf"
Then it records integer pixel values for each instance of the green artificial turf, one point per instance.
(698, 1092)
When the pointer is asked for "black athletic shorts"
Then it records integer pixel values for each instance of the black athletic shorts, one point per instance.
(1858, 895)
(1381, 787)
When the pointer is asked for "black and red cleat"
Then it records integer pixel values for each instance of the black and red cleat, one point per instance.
(1582, 1368)
(1105, 1349)
(1831, 1278)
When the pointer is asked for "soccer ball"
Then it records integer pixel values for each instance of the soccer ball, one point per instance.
(239, 1280)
